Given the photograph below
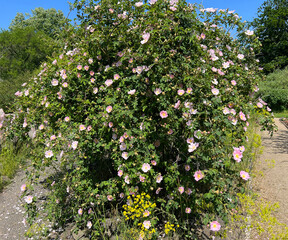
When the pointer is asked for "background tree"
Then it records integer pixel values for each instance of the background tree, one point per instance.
(271, 26)
(50, 21)
(27, 43)
(21, 52)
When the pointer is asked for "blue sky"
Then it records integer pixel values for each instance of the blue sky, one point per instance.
(247, 9)
(9, 8)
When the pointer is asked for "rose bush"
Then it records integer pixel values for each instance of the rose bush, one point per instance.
(148, 103)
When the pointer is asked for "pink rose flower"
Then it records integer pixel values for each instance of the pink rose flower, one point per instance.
(188, 210)
(163, 114)
(145, 37)
(198, 175)
(125, 155)
(108, 82)
(28, 199)
(159, 178)
(157, 91)
(215, 226)
(82, 127)
(237, 154)
(80, 211)
(242, 116)
(146, 167)
(215, 91)
(180, 92)
(23, 187)
(120, 173)
(109, 109)
(181, 189)
(244, 175)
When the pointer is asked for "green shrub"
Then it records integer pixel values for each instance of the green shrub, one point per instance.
(8, 89)
(22, 50)
(274, 90)
(146, 102)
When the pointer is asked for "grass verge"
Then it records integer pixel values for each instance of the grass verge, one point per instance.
(12, 157)
(254, 215)
(282, 114)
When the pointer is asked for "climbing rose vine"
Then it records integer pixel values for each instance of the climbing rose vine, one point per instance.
(148, 103)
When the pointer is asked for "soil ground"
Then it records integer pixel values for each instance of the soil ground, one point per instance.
(272, 187)
(12, 214)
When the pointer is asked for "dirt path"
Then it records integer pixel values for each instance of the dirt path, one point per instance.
(272, 187)
(11, 212)
(274, 165)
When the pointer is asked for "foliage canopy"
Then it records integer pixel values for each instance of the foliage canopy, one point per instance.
(271, 26)
(50, 21)
(27, 43)
(21, 52)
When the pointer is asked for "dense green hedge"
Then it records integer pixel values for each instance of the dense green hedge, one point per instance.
(274, 90)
